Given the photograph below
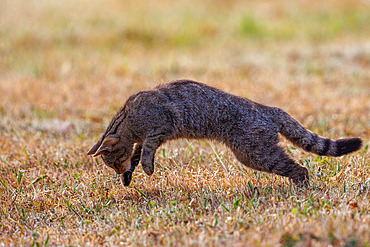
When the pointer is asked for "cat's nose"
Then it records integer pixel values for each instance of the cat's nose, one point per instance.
(124, 167)
(117, 170)
(120, 170)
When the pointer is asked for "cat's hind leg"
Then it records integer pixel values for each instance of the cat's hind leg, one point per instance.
(274, 159)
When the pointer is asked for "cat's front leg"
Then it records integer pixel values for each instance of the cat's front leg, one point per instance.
(147, 157)
(135, 159)
(150, 145)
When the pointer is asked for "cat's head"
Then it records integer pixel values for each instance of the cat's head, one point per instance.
(116, 152)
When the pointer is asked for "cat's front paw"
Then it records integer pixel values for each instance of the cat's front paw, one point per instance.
(148, 167)
(126, 178)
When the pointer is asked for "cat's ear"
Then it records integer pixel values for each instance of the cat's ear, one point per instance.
(94, 148)
(106, 145)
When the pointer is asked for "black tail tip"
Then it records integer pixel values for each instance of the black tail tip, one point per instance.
(349, 145)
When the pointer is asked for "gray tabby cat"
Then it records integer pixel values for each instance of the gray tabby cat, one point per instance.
(188, 109)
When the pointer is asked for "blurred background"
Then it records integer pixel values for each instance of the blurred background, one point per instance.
(66, 67)
(67, 61)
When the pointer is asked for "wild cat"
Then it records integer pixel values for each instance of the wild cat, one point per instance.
(189, 109)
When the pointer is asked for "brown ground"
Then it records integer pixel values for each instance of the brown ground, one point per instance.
(66, 67)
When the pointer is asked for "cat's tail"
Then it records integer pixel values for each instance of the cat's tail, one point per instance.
(309, 141)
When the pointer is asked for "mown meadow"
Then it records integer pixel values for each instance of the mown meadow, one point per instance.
(66, 67)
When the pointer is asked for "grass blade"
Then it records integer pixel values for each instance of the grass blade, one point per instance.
(5, 186)
(39, 179)
(141, 193)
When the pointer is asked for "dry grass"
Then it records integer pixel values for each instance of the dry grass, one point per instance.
(67, 66)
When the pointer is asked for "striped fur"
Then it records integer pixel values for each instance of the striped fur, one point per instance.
(188, 109)
(309, 141)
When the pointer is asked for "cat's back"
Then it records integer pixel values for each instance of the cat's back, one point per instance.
(209, 102)
(205, 111)
(181, 84)
(201, 95)
(187, 88)
(197, 94)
